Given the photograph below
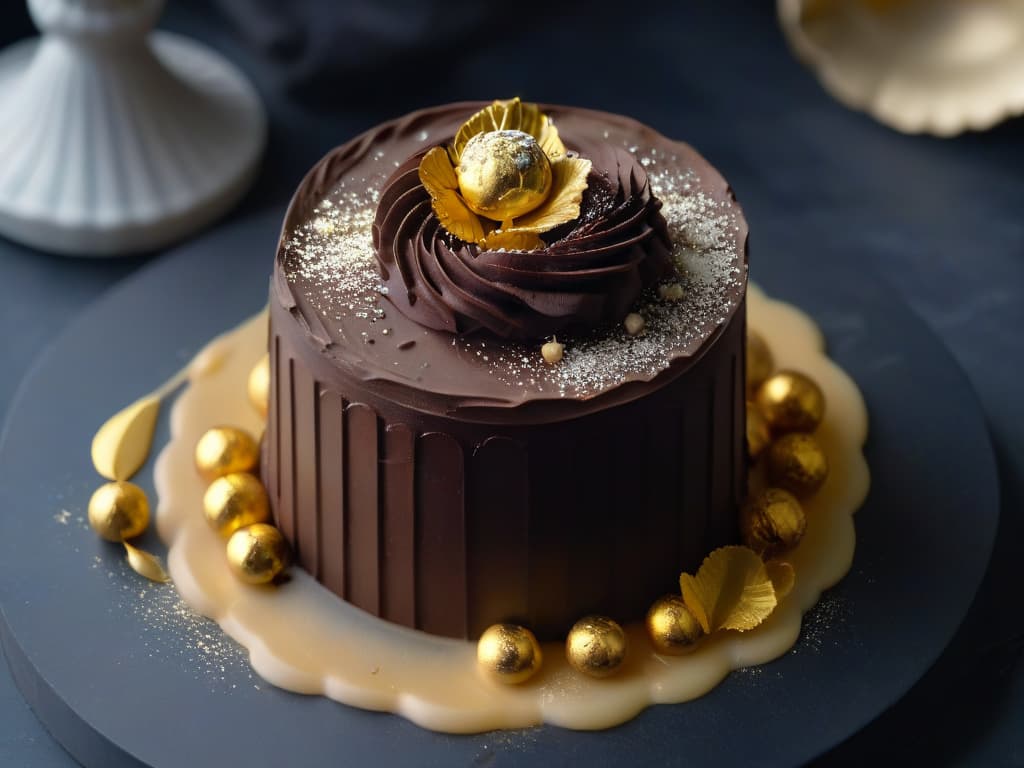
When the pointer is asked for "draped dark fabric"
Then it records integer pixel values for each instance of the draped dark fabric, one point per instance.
(370, 48)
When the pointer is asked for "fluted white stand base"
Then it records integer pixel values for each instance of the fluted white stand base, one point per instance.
(111, 155)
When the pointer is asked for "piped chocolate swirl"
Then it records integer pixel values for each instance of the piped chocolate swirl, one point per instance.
(588, 273)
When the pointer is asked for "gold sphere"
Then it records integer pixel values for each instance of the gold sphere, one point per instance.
(223, 450)
(257, 553)
(760, 362)
(119, 511)
(510, 653)
(235, 501)
(596, 646)
(791, 402)
(759, 434)
(672, 628)
(259, 386)
(503, 174)
(797, 463)
(772, 522)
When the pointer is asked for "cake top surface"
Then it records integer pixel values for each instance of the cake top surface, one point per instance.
(329, 277)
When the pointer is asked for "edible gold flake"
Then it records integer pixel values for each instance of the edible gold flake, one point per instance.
(121, 445)
(732, 590)
(145, 564)
(438, 177)
(568, 182)
(511, 241)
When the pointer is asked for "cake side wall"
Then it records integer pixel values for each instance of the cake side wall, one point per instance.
(449, 526)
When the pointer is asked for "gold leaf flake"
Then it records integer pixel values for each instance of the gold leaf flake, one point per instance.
(511, 115)
(731, 590)
(511, 241)
(122, 444)
(146, 564)
(436, 172)
(568, 181)
(438, 177)
(550, 142)
(783, 577)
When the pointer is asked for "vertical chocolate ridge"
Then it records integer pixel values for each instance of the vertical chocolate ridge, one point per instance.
(441, 583)
(362, 494)
(498, 536)
(477, 523)
(332, 490)
(286, 425)
(318, 573)
(398, 571)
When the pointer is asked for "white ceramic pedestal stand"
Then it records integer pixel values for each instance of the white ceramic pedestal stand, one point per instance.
(113, 139)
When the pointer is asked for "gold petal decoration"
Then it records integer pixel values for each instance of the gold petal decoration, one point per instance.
(511, 115)
(731, 590)
(146, 564)
(437, 172)
(122, 444)
(783, 577)
(511, 241)
(438, 177)
(568, 182)
(550, 141)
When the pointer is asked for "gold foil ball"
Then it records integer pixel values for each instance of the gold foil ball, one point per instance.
(235, 501)
(759, 434)
(772, 522)
(760, 362)
(791, 402)
(257, 553)
(119, 511)
(259, 386)
(509, 653)
(503, 174)
(223, 450)
(596, 646)
(797, 463)
(672, 628)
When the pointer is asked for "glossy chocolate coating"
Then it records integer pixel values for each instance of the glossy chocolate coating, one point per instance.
(442, 497)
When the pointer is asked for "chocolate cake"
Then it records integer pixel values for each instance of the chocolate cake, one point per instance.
(423, 458)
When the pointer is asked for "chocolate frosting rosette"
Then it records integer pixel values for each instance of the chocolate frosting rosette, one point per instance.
(505, 229)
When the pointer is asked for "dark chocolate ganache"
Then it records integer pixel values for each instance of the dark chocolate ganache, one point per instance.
(589, 273)
(328, 275)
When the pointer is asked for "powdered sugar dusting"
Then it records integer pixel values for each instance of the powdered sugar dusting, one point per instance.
(334, 252)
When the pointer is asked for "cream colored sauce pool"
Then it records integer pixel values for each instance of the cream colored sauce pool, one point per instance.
(303, 638)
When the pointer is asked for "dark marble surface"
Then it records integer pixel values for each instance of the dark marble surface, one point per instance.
(938, 220)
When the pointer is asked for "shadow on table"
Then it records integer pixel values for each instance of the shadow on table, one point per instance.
(947, 715)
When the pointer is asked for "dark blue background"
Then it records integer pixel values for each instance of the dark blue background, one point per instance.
(938, 221)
